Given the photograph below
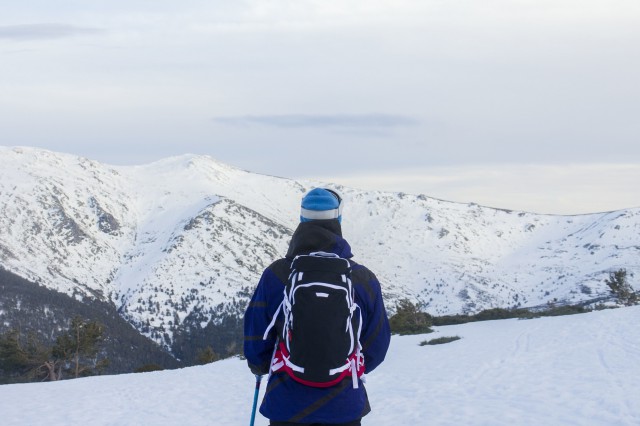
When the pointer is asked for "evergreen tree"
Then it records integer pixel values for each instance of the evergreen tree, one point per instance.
(79, 347)
(206, 356)
(75, 353)
(26, 358)
(408, 319)
(621, 288)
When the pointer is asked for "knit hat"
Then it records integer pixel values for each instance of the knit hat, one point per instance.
(321, 204)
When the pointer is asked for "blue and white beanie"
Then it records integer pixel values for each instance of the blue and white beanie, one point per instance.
(321, 204)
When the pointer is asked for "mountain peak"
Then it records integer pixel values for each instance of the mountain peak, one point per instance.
(186, 238)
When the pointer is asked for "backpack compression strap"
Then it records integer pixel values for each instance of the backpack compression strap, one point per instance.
(353, 366)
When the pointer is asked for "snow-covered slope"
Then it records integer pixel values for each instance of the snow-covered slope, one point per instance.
(575, 370)
(189, 236)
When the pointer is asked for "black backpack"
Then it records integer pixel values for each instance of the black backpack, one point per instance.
(319, 344)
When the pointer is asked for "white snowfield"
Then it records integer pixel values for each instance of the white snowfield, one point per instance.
(189, 235)
(573, 370)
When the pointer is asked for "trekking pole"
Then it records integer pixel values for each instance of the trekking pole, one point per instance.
(255, 399)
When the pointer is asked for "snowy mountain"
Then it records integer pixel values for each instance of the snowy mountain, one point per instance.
(571, 370)
(181, 243)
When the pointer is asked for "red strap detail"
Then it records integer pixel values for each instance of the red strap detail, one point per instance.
(282, 353)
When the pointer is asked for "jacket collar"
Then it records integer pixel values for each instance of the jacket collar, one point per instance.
(319, 235)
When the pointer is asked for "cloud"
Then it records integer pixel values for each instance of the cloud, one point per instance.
(542, 188)
(331, 121)
(44, 31)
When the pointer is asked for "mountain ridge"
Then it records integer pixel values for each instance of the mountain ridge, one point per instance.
(181, 242)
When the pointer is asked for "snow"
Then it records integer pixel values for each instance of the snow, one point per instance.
(573, 370)
(184, 223)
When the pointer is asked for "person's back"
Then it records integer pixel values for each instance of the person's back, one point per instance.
(287, 399)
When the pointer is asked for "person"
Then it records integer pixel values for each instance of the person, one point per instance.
(286, 401)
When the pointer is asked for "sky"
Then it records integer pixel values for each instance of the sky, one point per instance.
(520, 104)
(568, 370)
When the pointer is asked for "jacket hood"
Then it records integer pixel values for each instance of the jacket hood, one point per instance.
(319, 235)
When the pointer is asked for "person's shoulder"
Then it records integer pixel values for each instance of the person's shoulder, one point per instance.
(280, 268)
(357, 266)
(365, 282)
(361, 272)
(279, 263)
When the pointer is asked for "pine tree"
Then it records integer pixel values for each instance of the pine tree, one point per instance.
(621, 288)
(27, 358)
(206, 356)
(408, 319)
(79, 347)
(13, 358)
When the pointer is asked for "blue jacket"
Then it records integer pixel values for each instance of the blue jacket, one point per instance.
(286, 399)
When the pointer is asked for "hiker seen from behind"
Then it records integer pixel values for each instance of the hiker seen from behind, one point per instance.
(316, 324)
